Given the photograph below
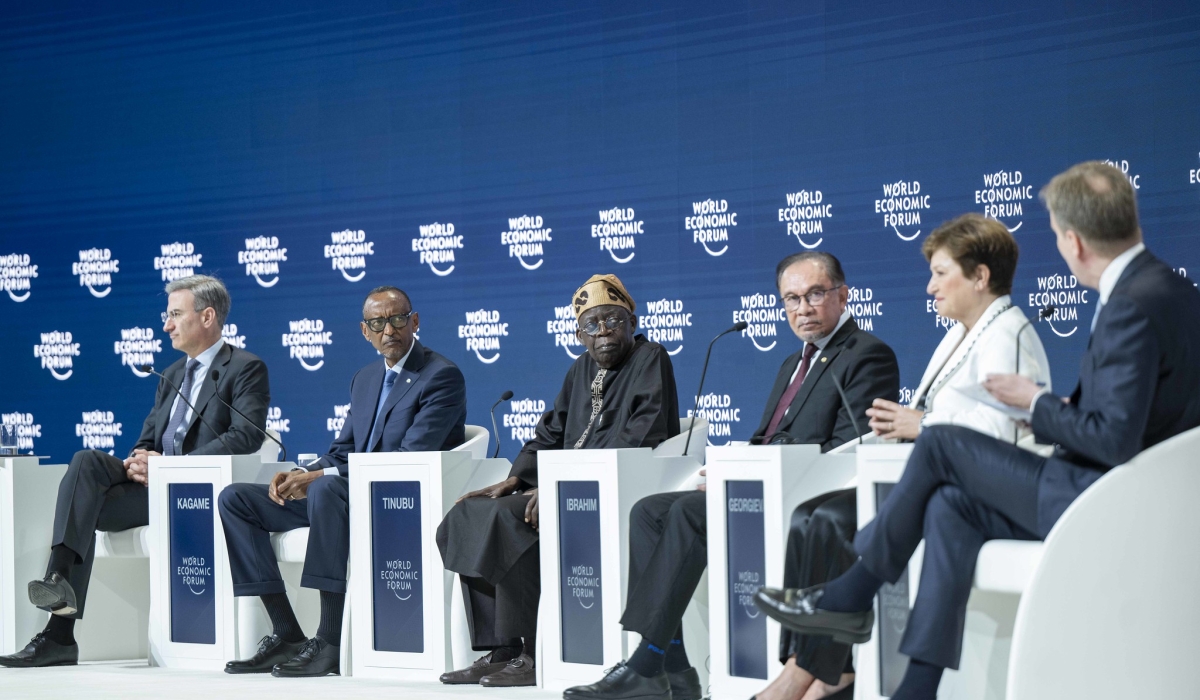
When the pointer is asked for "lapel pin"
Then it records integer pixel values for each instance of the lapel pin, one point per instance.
(824, 358)
(408, 381)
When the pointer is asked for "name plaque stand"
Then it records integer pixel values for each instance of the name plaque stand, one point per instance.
(193, 619)
(585, 497)
(752, 491)
(400, 622)
(28, 492)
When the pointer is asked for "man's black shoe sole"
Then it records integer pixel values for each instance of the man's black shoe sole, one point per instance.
(48, 599)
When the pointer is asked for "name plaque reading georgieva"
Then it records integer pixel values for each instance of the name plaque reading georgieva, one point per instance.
(398, 596)
(579, 567)
(193, 595)
(746, 562)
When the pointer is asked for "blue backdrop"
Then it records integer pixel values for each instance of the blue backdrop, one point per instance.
(488, 157)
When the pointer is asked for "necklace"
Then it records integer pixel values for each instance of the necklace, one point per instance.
(927, 399)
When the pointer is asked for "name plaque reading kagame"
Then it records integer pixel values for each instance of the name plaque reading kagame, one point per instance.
(397, 593)
(579, 570)
(745, 552)
(193, 594)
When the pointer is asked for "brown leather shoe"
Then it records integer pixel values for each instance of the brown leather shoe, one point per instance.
(471, 674)
(517, 672)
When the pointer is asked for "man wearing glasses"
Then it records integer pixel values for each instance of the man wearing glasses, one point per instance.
(415, 400)
(620, 393)
(103, 492)
(668, 531)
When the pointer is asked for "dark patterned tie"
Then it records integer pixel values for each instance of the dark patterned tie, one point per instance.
(181, 408)
(789, 395)
(597, 405)
(389, 381)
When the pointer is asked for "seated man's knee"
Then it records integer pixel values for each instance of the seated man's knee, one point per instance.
(230, 499)
(692, 508)
(948, 501)
(325, 488)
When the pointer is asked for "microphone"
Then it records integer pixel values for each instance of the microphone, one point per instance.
(216, 375)
(735, 328)
(503, 397)
(1046, 312)
(149, 369)
(846, 404)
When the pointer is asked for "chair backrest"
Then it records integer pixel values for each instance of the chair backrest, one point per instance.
(269, 450)
(1111, 611)
(476, 443)
(673, 447)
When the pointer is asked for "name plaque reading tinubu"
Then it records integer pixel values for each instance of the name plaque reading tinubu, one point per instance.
(397, 592)
(745, 552)
(579, 571)
(193, 598)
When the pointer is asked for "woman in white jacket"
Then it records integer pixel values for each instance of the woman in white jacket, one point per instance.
(971, 260)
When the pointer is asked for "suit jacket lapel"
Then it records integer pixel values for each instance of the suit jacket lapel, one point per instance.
(407, 377)
(363, 404)
(821, 362)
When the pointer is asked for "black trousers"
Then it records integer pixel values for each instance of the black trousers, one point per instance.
(820, 548)
(487, 542)
(668, 552)
(249, 516)
(95, 494)
(960, 489)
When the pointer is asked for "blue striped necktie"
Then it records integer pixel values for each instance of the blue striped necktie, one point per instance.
(172, 443)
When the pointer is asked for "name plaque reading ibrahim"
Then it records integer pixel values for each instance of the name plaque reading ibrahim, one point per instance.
(746, 562)
(579, 571)
(193, 595)
(398, 596)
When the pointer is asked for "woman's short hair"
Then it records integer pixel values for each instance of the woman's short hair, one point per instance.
(973, 240)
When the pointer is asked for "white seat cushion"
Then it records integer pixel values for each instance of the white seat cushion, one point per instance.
(1007, 566)
(124, 543)
(290, 546)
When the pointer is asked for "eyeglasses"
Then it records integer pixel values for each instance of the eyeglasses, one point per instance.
(612, 323)
(398, 321)
(814, 298)
(173, 315)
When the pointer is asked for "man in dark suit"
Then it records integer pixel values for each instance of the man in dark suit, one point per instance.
(961, 488)
(102, 492)
(668, 531)
(415, 400)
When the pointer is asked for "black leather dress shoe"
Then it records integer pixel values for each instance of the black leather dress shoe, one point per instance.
(316, 657)
(53, 594)
(483, 666)
(622, 683)
(42, 651)
(515, 674)
(685, 685)
(796, 609)
(271, 651)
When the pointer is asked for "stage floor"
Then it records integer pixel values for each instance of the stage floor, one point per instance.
(130, 680)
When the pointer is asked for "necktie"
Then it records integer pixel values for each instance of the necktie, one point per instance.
(597, 405)
(173, 443)
(785, 401)
(389, 381)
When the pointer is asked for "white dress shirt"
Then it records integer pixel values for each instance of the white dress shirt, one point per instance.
(205, 359)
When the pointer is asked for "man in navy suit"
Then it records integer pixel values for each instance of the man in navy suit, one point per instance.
(1137, 387)
(415, 400)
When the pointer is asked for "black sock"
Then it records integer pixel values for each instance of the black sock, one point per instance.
(529, 648)
(677, 659)
(62, 558)
(332, 606)
(61, 630)
(507, 652)
(283, 620)
(647, 659)
(920, 682)
(853, 591)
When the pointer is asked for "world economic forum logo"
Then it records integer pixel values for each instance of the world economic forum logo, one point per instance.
(763, 314)
(710, 223)
(348, 252)
(664, 322)
(435, 244)
(334, 424)
(27, 429)
(16, 275)
(98, 430)
(901, 207)
(1123, 165)
(137, 347)
(306, 340)
(96, 268)
(483, 331)
(617, 230)
(1066, 295)
(721, 414)
(57, 351)
(522, 418)
(805, 216)
(562, 329)
(1004, 196)
(527, 237)
(178, 260)
(261, 257)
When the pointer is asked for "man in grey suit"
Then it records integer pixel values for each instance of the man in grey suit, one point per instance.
(102, 492)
